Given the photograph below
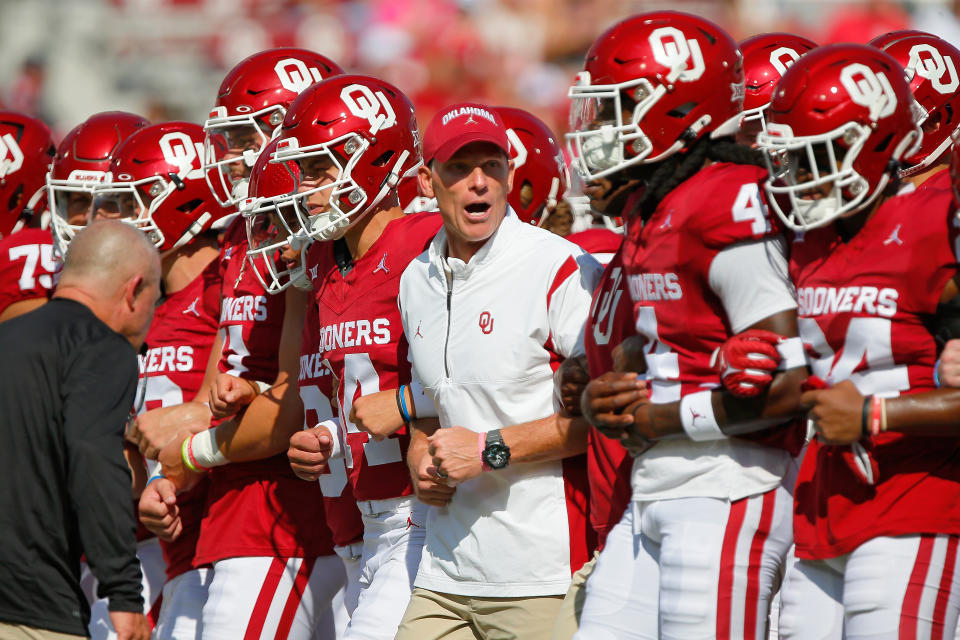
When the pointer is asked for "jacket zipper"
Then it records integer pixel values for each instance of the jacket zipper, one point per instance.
(446, 341)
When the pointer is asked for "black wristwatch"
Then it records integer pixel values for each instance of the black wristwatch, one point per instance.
(496, 454)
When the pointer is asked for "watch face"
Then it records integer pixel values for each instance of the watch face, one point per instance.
(497, 455)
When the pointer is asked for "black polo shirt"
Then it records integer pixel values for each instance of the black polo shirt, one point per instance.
(67, 383)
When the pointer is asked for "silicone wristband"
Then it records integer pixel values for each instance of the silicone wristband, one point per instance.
(186, 452)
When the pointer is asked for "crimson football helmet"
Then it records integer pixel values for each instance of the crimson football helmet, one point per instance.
(838, 126)
(272, 226)
(537, 162)
(157, 185)
(82, 161)
(766, 58)
(651, 85)
(26, 148)
(251, 103)
(353, 138)
(931, 65)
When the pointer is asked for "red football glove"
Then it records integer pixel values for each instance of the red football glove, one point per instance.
(746, 362)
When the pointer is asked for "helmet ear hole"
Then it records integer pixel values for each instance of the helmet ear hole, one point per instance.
(883, 144)
(189, 206)
(682, 111)
(15, 197)
(526, 194)
(383, 158)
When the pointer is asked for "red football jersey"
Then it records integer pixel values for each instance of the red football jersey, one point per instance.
(362, 338)
(939, 180)
(667, 262)
(27, 266)
(608, 463)
(250, 319)
(316, 389)
(171, 371)
(600, 243)
(864, 309)
(256, 508)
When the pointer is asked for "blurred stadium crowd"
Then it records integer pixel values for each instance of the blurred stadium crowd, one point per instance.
(64, 60)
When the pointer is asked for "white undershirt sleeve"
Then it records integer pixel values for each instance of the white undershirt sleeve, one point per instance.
(752, 281)
(569, 306)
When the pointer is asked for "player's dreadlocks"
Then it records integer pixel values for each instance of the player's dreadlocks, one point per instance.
(665, 176)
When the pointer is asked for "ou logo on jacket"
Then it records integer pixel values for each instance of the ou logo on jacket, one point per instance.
(927, 62)
(181, 151)
(11, 156)
(870, 89)
(672, 49)
(294, 74)
(374, 107)
(486, 322)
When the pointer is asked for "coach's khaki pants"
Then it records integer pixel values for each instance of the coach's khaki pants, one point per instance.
(568, 618)
(23, 632)
(443, 616)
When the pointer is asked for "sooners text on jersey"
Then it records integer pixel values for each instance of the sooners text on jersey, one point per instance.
(316, 389)
(362, 339)
(863, 309)
(171, 371)
(256, 508)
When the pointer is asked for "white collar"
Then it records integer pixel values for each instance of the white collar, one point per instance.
(494, 245)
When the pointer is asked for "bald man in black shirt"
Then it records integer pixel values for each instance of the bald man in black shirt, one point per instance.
(68, 375)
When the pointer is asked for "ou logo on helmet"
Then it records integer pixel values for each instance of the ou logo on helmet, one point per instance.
(374, 107)
(782, 57)
(181, 151)
(516, 146)
(11, 156)
(870, 89)
(672, 49)
(294, 74)
(936, 67)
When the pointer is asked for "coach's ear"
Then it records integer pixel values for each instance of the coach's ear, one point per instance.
(425, 180)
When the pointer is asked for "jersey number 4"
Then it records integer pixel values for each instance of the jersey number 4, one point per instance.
(867, 341)
(358, 373)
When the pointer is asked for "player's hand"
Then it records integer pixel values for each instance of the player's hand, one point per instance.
(628, 355)
(570, 380)
(130, 625)
(455, 455)
(171, 459)
(309, 452)
(604, 399)
(949, 369)
(152, 430)
(377, 414)
(229, 394)
(429, 489)
(747, 361)
(836, 412)
(159, 511)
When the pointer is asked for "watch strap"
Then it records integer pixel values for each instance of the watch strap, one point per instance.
(482, 446)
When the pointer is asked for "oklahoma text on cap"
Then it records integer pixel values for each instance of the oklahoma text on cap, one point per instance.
(460, 124)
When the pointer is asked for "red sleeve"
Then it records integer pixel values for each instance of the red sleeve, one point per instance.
(597, 240)
(731, 206)
(212, 282)
(935, 240)
(26, 267)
